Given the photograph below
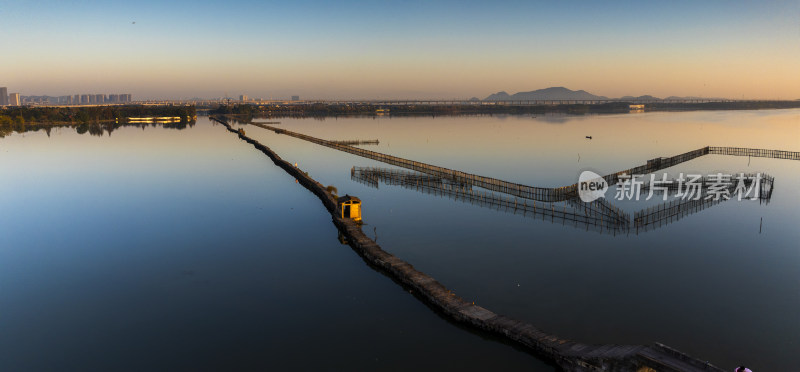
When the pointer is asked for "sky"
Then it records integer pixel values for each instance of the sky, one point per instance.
(400, 49)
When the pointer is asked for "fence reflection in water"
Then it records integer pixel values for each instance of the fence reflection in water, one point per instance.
(598, 215)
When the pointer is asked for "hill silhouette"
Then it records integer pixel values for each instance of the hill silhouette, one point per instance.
(561, 93)
(554, 93)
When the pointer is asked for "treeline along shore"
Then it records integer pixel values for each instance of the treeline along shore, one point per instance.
(90, 114)
(93, 120)
(482, 108)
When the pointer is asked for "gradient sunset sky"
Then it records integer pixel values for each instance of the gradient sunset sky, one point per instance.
(400, 49)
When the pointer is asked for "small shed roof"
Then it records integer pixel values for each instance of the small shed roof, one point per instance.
(347, 198)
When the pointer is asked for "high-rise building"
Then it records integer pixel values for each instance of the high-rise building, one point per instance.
(113, 98)
(243, 98)
(3, 96)
(100, 98)
(14, 99)
(76, 99)
(84, 99)
(295, 98)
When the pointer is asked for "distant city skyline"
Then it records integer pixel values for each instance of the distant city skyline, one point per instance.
(402, 49)
(77, 99)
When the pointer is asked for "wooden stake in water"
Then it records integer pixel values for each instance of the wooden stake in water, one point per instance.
(761, 224)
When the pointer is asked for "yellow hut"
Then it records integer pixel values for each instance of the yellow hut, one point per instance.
(350, 207)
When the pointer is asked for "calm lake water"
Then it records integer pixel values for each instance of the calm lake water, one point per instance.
(173, 249)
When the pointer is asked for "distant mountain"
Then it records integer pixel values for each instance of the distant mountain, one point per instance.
(554, 93)
(561, 93)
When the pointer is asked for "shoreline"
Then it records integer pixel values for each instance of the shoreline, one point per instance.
(493, 108)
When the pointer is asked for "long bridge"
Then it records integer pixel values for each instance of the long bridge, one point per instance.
(532, 102)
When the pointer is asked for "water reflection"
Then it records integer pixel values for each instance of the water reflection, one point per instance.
(757, 186)
(94, 129)
(590, 286)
